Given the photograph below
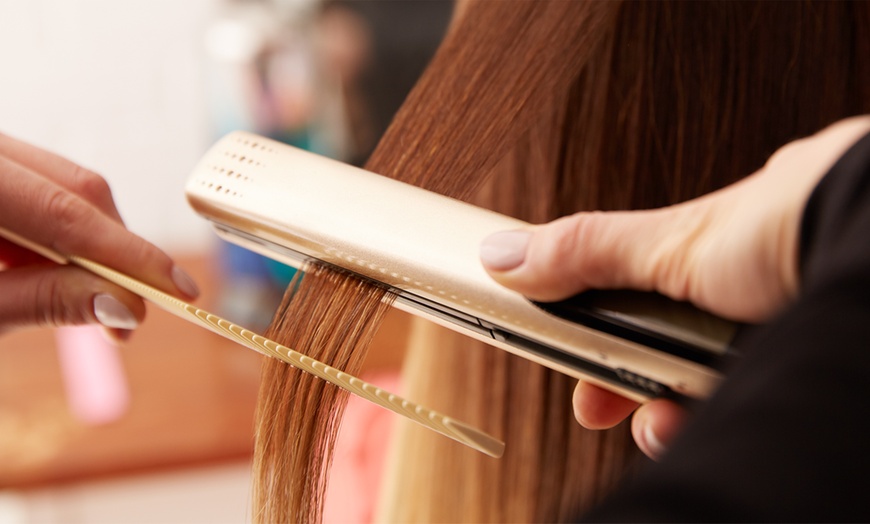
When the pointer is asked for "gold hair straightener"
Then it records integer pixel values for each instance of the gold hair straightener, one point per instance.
(291, 205)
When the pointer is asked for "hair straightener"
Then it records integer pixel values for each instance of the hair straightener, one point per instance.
(292, 205)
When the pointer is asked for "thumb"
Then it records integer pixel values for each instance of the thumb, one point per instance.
(50, 295)
(631, 249)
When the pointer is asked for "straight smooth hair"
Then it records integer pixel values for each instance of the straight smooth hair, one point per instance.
(539, 109)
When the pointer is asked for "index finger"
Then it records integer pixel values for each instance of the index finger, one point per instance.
(67, 174)
(48, 214)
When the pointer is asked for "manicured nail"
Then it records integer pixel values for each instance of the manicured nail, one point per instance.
(653, 444)
(504, 250)
(183, 282)
(112, 313)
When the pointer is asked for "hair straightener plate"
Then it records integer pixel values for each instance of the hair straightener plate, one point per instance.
(292, 205)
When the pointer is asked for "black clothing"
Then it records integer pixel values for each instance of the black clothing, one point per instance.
(785, 438)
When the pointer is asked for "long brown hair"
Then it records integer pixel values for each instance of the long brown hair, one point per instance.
(570, 106)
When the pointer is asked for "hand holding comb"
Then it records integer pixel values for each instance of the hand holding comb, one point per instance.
(433, 420)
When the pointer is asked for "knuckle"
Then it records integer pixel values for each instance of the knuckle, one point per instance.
(146, 252)
(671, 275)
(786, 152)
(89, 185)
(582, 237)
(62, 208)
(65, 215)
(672, 262)
(54, 305)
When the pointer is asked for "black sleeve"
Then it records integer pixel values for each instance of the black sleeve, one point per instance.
(786, 437)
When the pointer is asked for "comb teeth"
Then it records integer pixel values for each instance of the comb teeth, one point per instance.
(433, 420)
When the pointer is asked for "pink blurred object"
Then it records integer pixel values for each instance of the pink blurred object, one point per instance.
(360, 452)
(93, 374)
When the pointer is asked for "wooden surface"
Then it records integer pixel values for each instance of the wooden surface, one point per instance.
(192, 399)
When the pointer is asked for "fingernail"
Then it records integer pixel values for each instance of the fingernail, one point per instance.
(184, 282)
(504, 250)
(112, 313)
(653, 444)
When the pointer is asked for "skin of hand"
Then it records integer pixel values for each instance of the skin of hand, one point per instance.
(732, 252)
(60, 205)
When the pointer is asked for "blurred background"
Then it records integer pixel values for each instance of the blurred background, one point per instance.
(160, 430)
